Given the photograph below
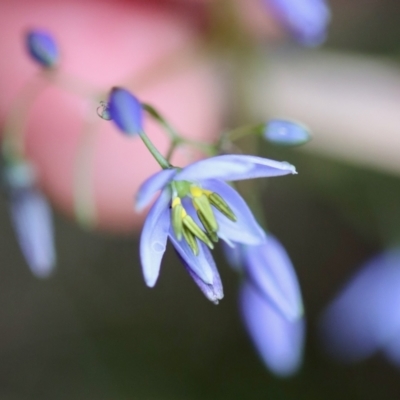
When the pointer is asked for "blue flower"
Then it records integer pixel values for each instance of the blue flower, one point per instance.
(364, 318)
(271, 304)
(42, 48)
(279, 341)
(307, 20)
(286, 133)
(31, 217)
(196, 208)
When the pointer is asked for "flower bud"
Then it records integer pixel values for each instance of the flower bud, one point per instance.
(126, 111)
(42, 48)
(286, 133)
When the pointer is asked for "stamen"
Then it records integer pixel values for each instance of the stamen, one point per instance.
(196, 231)
(207, 227)
(202, 205)
(183, 224)
(220, 204)
(191, 241)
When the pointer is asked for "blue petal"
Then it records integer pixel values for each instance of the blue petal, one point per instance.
(270, 270)
(154, 238)
(286, 133)
(279, 342)
(201, 264)
(246, 229)
(307, 20)
(364, 318)
(126, 111)
(233, 167)
(151, 186)
(214, 292)
(234, 255)
(31, 217)
(42, 48)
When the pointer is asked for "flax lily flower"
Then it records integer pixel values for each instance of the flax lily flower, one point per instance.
(271, 304)
(364, 317)
(196, 207)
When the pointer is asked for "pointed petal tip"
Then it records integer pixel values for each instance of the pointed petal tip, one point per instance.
(43, 272)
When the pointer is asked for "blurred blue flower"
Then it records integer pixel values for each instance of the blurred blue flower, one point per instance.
(278, 341)
(31, 218)
(306, 20)
(286, 133)
(42, 48)
(125, 110)
(195, 208)
(365, 317)
(271, 304)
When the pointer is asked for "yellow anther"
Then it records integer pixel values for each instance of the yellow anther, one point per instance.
(183, 213)
(195, 191)
(176, 201)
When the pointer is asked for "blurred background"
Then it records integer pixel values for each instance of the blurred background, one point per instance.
(93, 330)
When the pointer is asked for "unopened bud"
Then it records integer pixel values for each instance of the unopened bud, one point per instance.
(42, 48)
(126, 111)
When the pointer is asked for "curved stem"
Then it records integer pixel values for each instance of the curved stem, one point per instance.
(17, 118)
(164, 164)
(84, 207)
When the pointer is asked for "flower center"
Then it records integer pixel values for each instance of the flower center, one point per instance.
(202, 200)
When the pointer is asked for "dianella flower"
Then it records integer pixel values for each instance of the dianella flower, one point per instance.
(271, 304)
(306, 20)
(31, 218)
(195, 209)
(365, 316)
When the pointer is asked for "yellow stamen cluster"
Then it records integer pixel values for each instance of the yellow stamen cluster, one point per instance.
(185, 226)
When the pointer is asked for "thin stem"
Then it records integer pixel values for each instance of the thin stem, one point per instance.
(164, 164)
(171, 150)
(240, 132)
(17, 118)
(84, 207)
(75, 85)
(172, 133)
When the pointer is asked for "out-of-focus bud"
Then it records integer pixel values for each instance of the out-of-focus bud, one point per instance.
(365, 317)
(286, 133)
(42, 48)
(31, 218)
(126, 111)
(306, 20)
(279, 342)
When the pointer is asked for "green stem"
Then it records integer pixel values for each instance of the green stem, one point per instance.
(239, 133)
(17, 118)
(176, 139)
(172, 133)
(164, 164)
(84, 206)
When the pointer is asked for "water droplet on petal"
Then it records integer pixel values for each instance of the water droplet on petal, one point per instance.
(158, 247)
(103, 111)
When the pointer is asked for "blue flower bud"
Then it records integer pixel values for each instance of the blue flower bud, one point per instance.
(126, 111)
(306, 20)
(286, 133)
(42, 48)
